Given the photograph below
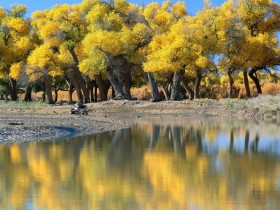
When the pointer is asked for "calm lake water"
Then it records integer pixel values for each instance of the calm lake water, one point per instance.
(158, 164)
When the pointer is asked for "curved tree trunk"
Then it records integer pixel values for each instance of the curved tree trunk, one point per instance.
(154, 88)
(197, 83)
(116, 85)
(252, 75)
(175, 92)
(187, 88)
(79, 77)
(246, 83)
(76, 84)
(27, 94)
(13, 89)
(231, 82)
(48, 89)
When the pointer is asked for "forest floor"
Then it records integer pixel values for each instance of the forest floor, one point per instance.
(21, 122)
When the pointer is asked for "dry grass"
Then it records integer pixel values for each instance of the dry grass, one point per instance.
(143, 93)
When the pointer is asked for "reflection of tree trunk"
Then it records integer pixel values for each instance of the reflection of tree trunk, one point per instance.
(116, 85)
(120, 149)
(154, 137)
(188, 88)
(48, 89)
(154, 88)
(175, 92)
(199, 141)
(256, 144)
(28, 92)
(13, 89)
(252, 75)
(197, 83)
(246, 83)
(231, 141)
(176, 137)
(246, 146)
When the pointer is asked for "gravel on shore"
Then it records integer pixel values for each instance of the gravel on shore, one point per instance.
(22, 124)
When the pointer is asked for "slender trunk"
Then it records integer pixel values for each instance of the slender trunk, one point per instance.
(154, 88)
(95, 91)
(187, 88)
(116, 85)
(231, 82)
(48, 89)
(246, 83)
(44, 92)
(164, 92)
(175, 91)
(28, 91)
(103, 87)
(76, 84)
(13, 89)
(197, 83)
(252, 75)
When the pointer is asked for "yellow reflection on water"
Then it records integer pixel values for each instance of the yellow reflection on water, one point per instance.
(152, 166)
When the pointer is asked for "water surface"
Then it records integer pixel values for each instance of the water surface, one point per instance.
(159, 163)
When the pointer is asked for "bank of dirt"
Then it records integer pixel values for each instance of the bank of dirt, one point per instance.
(22, 124)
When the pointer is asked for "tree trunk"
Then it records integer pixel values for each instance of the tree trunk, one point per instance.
(252, 75)
(27, 94)
(48, 89)
(90, 89)
(126, 82)
(70, 93)
(197, 83)
(44, 92)
(76, 84)
(103, 87)
(116, 85)
(175, 92)
(82, 84)
(13, 89)
(79, 77)
(231, 82)
(187, 88)
(246, 83)
(164, 92)
(154, 88)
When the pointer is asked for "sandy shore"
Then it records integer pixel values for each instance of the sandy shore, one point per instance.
(18, 125)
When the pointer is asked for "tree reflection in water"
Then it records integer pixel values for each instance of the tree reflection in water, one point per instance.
(154, 165)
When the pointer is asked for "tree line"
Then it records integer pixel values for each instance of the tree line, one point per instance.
(116, 44)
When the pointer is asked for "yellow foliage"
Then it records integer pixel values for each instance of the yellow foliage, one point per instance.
(2, 12)
(15, 70)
